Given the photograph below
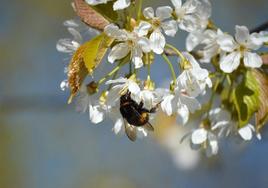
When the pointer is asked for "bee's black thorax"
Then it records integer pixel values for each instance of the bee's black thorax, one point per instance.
(133, 112)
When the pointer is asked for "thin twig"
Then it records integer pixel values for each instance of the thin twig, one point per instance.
(259, 28)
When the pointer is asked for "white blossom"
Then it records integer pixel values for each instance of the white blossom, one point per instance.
(218, 122)
(202, 135)
(205, 42)
(68, 45)
(261, 37)
(179, 103)
(118, 5)
(194, 79)
(159, 22)
(240, 47)
(130, 42)
(193, 14)
(87, 102)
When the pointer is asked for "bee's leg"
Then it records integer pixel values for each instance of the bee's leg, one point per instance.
(128, 94)
(140, 105)
(153, 110)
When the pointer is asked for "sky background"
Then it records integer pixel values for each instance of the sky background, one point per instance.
(44, 143)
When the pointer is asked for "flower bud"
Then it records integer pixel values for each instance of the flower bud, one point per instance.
(149, 84)
(92, 88)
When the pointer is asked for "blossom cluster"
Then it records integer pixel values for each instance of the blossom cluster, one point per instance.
(137, 41)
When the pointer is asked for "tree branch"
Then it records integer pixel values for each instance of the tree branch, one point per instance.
(259, 28)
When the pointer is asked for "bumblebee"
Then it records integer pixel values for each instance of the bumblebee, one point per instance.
(135, 115)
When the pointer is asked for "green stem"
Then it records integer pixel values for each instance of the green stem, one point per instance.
(140, 2)
(214, 89)
(148, 62)
(177, 51)
(130, 68)
(170, 67)
(114, 71)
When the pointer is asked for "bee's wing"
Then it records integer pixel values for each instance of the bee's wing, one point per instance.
(131, 131)
(148, 126)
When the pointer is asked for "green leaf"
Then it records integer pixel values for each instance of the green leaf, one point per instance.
(95, 51)
(246, 98)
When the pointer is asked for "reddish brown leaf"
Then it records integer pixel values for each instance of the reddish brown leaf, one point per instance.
(262, 113)
(265, 59)
(77, 72)
(89, 16)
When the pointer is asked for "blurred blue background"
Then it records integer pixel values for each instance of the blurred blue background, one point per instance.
(44, 143)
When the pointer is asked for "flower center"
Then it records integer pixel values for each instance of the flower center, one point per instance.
(242, 48)
(156, 22)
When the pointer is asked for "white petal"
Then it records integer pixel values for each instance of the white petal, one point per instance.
(114, 95)
(199, 136)
(252, 60)
(230, 62)
(158, 42)
(259, 136)
(148, 13)
(245, 133)
(176, 3)
(170, 27)
(113, 30)
(76, 34)
(137, 62)
(227, 43)
(71, 23)
(189, 83)
(121, 4)
(183, 113)
(134, 88)
(64, 85)
(147, 98)
(67, 45)
(204, 9)
(191, 59)
(190, 6)
(144, 43)
(137, 57)
(82, 102)
(190, 23)
(118, 52)
(242, 34)
(193, 39)
(95, 115)
(168, 105)
(118, 125)
(143, 28)
(191, 103)
(117, 81)
(220, 124)
(259, 38)
(213, 145)
(163, 12)
(96, 2)
(219, 114)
